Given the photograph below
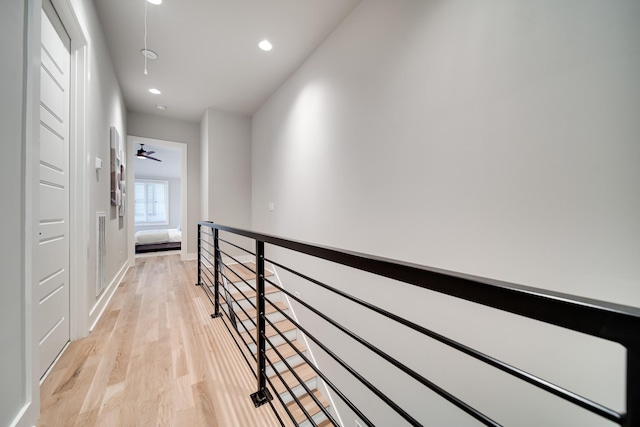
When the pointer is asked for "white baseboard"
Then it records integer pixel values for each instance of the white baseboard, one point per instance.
(22, 419)
(189, 257)
(106, 296)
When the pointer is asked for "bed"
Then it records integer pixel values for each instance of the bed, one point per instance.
(158, 240)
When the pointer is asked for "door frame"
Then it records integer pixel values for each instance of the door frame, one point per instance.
(184, 202)
(78, 198)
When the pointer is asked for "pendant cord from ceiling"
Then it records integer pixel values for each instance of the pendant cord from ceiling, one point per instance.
(145, 37)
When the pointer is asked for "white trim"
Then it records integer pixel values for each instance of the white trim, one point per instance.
(190, 256)
(19, 420)
(31, 410)
(131, 141)
(50, 368)
(79, 167)
(106, 296)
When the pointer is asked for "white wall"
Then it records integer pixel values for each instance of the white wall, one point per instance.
(498, 139)
(105, 108)
(227, 170)
(204, 167)
(156, 127)
(12, 211)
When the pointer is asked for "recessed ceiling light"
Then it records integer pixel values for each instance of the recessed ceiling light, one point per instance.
(149, 54)
(155, 91)
(155, 1)
(161, 107)
(265, 45)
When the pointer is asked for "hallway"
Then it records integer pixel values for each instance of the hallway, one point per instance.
(156, 358)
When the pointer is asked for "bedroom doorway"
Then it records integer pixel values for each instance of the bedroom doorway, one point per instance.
(158, 205)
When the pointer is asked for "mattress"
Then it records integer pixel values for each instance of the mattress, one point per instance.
(147, 237)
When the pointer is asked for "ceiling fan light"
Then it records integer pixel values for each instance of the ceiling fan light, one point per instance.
(155, 1)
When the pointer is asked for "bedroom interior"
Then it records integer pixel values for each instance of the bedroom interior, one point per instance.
(157, 198)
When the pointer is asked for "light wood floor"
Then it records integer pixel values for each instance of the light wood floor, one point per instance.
(156, 358)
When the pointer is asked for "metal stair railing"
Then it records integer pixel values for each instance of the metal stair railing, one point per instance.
(612, 322)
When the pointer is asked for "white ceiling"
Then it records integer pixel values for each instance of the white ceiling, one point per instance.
(208, 50)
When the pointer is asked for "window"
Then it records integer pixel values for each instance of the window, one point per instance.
(151, 202)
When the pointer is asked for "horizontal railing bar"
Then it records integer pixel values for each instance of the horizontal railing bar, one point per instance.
(207, 291)
(242, 308)
(234, 245)
(210, 266)
(565, 394)
(205, 241)
(207, 286)
(238, 289)
(230, 308)
(413, 374)
(273, 408)
(286, 385)
(280, 399)
(239, 347)
(354, 373)
(253, 339)
(295, 374)
(275, 349)
(207, 251)
(205, 275)
(614, 322)
(242, 323)
(317, 371)
(234, 259)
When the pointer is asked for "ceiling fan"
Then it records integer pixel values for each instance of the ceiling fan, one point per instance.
(143, 154)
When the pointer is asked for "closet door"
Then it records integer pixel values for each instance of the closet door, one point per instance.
(52, 266)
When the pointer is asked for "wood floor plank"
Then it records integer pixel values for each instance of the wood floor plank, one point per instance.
(155, 358)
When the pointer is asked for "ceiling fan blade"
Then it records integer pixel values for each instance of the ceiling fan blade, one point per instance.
(153, 158)
(149, 152)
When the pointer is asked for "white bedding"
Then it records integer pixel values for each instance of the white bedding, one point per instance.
(147, 237)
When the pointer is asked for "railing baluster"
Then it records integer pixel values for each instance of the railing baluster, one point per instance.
(263, 395)
(216, 271)
(200, 256)
(632, 418)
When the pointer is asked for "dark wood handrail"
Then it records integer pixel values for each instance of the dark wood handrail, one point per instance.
(610, 321)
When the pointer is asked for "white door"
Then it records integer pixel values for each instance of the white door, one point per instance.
(52, 267)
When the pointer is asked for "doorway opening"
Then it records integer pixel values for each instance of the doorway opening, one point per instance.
(158, 208)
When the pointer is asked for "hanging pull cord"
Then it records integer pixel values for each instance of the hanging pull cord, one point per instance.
(145, 37)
